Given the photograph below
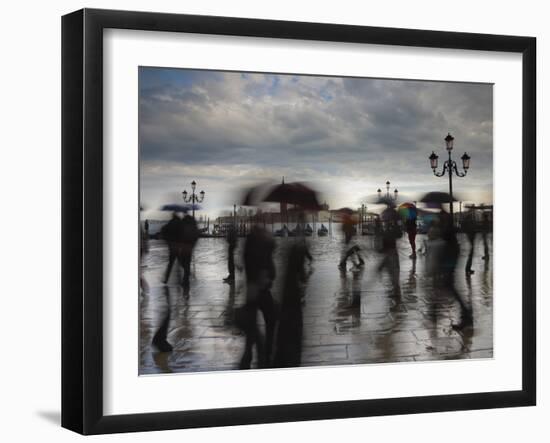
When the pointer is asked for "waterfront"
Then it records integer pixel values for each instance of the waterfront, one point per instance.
(351, 317)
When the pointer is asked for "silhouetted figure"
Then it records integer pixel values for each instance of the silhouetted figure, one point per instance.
(448, 261)
(189, 235)
(260, 273)
(378, 234)
(469, 228)
(356, 290)
(289, 336)
(181, 236)
(159, 339)
(412, 280)
(410, 227)
(347, 312)
(146, 227)
(349, 250)
(390, 233)
(143, 248)
(232, 245)
(485, 229)
(170, 234)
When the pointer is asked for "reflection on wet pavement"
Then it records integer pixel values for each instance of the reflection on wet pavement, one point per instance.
(349, 317)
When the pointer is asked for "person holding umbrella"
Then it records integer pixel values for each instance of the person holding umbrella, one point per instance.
(447, 258)
(408, 213)
(260, 274)
(289, 337)
(348, 228)
(231, 238)
(469, 228)
(170, 233)
(181, 234)
(391, 231)
(260, 267)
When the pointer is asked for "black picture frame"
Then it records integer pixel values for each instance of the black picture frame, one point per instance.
(82, 218)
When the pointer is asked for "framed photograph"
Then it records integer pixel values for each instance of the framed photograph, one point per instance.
(269, 221)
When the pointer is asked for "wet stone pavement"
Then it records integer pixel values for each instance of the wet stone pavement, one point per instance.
(351, 317)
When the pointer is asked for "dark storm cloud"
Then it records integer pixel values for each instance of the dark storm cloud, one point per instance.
(310, 126)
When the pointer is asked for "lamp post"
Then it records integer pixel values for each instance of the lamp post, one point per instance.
(388, 196)
(193, 198)
(450, 167)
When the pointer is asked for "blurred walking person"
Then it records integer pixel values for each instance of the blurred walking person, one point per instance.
(170, 234)
(143, 249)
(469, 228)
(349, 249)
(391, 231)
(181, 234)
(188, 236)
(485, 229)
(160, 338)
(289, 335)
(231, 238)
(448, 262)
(410, 227)
(260, 274)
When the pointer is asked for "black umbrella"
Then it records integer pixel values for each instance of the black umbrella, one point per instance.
(176, 207)
(295, 193)
(437, 197)
(254, 195)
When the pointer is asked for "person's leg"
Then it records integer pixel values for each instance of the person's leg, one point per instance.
(450, 260)
(359, 257)
(159, 340)
(289, 338)
(465, 310)
(230, 264)
(171, 259)
(268, 311)
(343, 256)
(251, 332)
(348, 253)
(485, 247)
(246, 359)
(355, 250)
(185, 260)
(395, 271)
(471, 239)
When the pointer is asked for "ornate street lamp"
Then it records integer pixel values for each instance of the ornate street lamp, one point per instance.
(449, 140)
(388, 196)
(193, 198)
(465, 161)
(450, 167)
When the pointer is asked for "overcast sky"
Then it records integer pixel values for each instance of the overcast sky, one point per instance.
(348, 136)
